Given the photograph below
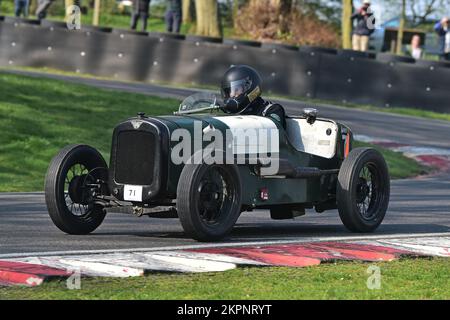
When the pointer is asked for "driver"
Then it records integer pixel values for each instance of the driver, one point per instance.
(241, 93)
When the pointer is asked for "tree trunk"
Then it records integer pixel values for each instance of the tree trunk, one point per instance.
(282, 9)
(208, 22)
(67, 4)
(96, 13)
(346, 27)
(188, 8)
(401, 28)
(235, 12)
(32, 7)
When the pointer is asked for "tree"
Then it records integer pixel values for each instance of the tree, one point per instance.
(188, 10)
(96, 14)
(401, 28)
(257, 21)
(422, 10)
(208, 22)
(283, 8)
(418, 10)
(327, 10)
(347, 10)
(235, 11)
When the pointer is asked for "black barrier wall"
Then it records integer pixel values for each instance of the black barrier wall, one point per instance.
(311, 72)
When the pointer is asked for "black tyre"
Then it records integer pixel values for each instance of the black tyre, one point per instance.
(67, 192)
(209, 200)
(363, 190)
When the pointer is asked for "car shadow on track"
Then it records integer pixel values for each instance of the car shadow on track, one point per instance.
(270, 231)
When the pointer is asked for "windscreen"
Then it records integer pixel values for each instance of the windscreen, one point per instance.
(200, 102)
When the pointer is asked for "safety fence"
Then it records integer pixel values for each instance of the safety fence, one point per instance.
(345, 76)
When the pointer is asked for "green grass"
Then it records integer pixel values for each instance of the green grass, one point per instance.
(403, 279)
(399, 165)
(39, 116)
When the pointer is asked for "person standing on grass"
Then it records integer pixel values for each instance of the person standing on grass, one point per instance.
(140, 10)
(173, 16)
(21, 8)
(442, 30)
(364, 28)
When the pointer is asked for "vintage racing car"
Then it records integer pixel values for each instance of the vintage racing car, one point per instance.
(159, 168)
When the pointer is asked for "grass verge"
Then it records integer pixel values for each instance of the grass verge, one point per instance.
(402, 279)
(39, 116)
(399, 165)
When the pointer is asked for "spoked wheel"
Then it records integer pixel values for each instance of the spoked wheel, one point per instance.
(69, 187)
(363, 190)
(209, 200)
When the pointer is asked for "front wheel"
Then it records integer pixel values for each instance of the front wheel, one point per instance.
(363, 190)
(209, 200)
(68, 192)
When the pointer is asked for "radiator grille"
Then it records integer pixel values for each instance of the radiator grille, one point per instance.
(135, 158)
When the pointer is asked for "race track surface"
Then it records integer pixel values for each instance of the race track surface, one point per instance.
(417, 205)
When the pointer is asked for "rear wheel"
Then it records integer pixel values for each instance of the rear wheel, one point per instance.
(209, 200)
(363, 190)
(68, 189)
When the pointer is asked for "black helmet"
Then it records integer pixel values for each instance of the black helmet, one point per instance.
(241, 85)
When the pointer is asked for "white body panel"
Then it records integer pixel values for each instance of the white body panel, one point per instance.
(252, 134)
(314, 138)
(318, 139)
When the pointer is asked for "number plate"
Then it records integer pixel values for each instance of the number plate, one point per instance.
(132, 193)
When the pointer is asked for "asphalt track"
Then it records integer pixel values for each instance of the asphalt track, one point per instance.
(419, 205)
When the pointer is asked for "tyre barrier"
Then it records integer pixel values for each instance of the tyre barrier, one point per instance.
(18, 21)
(278, 46)
(164, 35)
(317, 50)
(393, 58)
(352, 54)
(2, 18)
(199, 39)
(123, 32)
(53, 24)
(310, 72)
(237, 43)
(95, 29)
(432, 64)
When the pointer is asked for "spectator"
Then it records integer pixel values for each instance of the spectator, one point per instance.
(21, 7)
(42, 7)
(442, 30)
(173, 16)
(364, 28)
(414, 49)
(140, 10)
